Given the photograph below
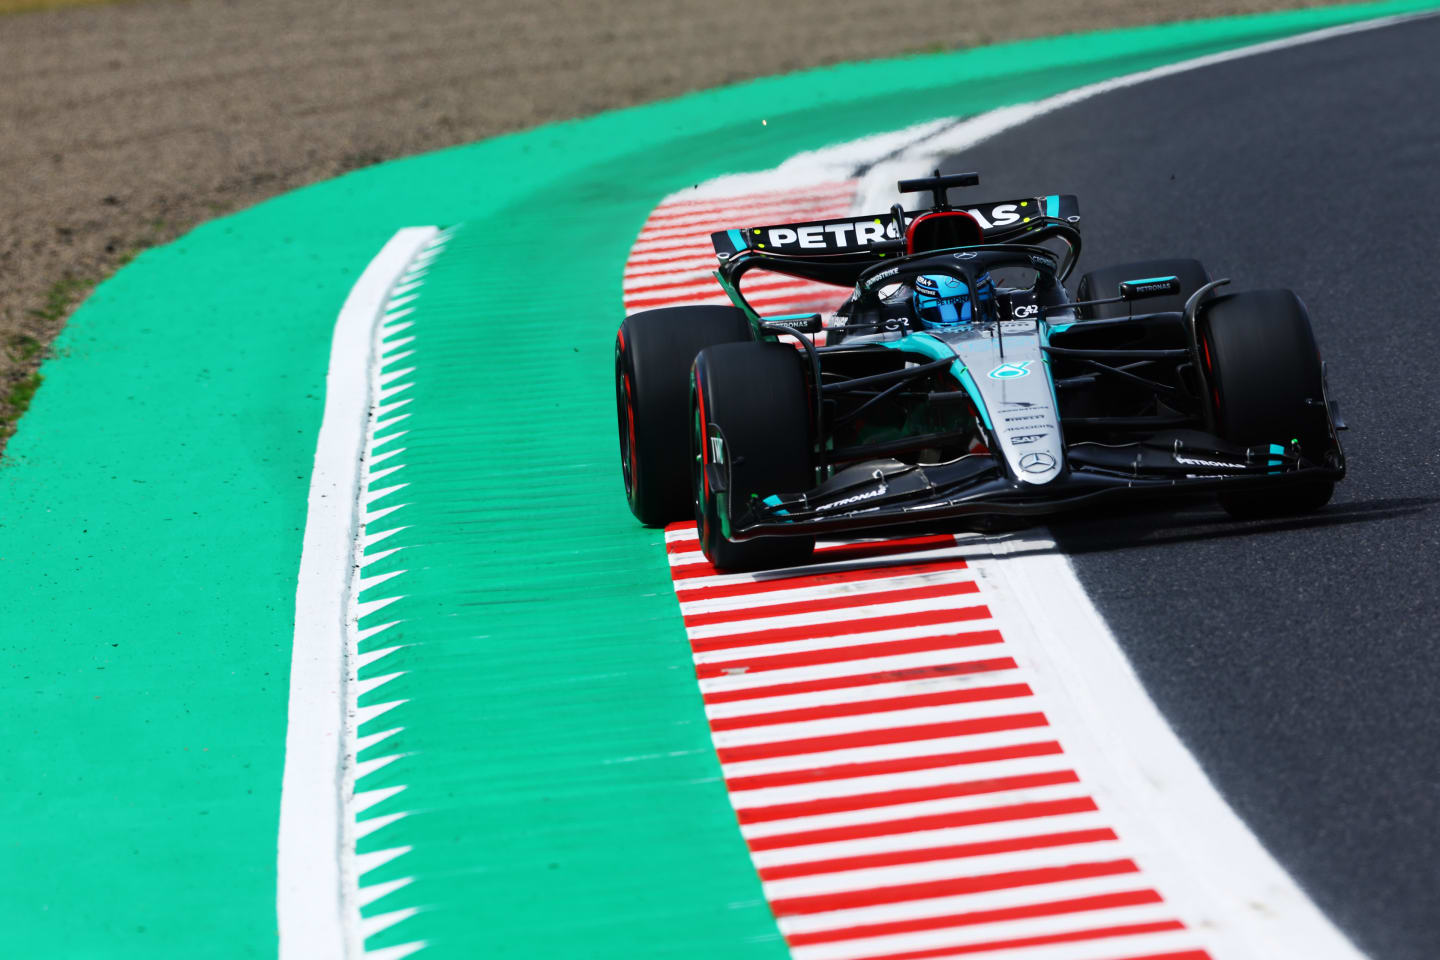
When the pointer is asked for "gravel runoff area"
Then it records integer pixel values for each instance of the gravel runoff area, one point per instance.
(123, 126)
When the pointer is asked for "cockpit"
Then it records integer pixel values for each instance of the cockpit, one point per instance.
(961, 297)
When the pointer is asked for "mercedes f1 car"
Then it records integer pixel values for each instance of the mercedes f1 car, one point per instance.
(959, 384)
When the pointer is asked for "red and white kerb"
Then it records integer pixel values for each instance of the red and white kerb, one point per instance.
(672, 261)
(894, 774)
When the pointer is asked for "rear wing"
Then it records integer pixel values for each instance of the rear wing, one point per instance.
(872, 235)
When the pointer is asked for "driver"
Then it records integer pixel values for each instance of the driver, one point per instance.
(943, 302)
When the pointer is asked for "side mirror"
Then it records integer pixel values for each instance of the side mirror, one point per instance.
(1149, 287)
(803, 322)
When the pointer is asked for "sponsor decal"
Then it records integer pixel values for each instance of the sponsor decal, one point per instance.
(717, 450)
(1000, 215)
(1199, 462)
(822, 236)
(1028, 438)
(1027, 416)
(1037, 462)
(851, 234)
(965, 255)
(849, 500)
(1026, 310)
(1010, 371)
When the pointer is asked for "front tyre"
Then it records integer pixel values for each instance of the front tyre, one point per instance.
(653, 354)
(751, 437)
(1267, 387)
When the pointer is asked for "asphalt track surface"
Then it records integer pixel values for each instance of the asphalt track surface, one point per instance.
(1297, 659)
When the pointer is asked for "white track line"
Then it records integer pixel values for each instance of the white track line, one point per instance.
(309, 902)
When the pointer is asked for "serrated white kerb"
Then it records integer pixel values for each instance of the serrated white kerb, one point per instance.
(363, 610)
(366, 799)
(363, 660)
(376, 557)
(365, 583)
(392, 391)
(388, 378)
(370, 539)
(370, 516)
(388, 423)
(375, 891)
(388, 357)
(385, 384)
(369, 926)
(389, 438)
(362, 635)
(379, 474)
(363, 715)
(373, 683)
(385, 409)
(365, 743)
(365, 862)
(397, 952)
(374, 495)
(383, 457)
(363, 828)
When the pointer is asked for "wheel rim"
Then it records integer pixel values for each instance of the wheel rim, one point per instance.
(698, 484)
(624, 399)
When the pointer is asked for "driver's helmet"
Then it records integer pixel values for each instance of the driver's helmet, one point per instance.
(942, 302)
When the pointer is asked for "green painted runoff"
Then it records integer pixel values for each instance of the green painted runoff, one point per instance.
(565, 799)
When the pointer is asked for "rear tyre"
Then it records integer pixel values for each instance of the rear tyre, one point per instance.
(1266, 388)
(1104, 283)
(750, 416)
(653, 354)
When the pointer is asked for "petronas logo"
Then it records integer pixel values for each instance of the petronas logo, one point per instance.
(1011, 371)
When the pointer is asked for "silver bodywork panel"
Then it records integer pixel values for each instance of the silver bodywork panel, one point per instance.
(1012, 377)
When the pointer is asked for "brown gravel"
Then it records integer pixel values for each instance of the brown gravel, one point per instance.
(123, 126)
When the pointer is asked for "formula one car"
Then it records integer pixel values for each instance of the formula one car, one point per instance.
(960, 384)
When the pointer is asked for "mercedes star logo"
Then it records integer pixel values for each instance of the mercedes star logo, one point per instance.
(1036, 462)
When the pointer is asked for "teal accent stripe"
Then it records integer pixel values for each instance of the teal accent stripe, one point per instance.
(1052, 206)
(926, 345)
(962, 373)
(1277, 466)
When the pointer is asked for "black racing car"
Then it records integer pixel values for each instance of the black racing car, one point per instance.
(960, 383)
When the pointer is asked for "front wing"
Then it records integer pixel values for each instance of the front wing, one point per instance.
(889, 494)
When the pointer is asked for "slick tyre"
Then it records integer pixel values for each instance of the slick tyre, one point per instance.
(750, 438)
(1266, 386)
(1104, 283)
(653, 354)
